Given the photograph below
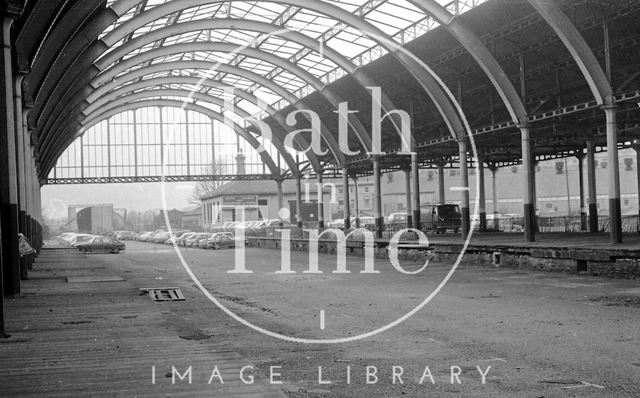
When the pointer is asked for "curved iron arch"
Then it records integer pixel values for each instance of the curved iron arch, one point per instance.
(204, 65)
(290, 67)
(476, 48)
(155, 82)
(426, 81)
(258, 26)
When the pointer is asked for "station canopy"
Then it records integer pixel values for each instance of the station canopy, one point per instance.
(260, 62)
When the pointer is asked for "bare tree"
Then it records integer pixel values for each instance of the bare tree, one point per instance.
(204, 187)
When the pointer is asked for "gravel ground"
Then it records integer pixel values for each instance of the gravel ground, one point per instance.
(533, 334)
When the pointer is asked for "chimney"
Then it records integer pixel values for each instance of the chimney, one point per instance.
(241, 164)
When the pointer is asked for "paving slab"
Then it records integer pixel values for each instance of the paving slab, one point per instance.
(75, 337)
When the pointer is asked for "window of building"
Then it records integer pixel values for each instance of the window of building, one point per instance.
(400, 206)
(366, 189)
(367, 202)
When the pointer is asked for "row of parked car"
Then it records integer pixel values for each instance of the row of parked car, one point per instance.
(184, 238)
(230, 226)
(91, 243)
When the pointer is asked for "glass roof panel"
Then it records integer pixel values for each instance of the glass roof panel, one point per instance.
(397, 18)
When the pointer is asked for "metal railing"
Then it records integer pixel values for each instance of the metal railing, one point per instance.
(570, 224)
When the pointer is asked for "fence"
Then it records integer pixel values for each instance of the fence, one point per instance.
(505, 224)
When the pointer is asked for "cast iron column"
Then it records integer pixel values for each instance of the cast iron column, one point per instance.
(464, 191)
(529, 190)
(591, 182)
(583, 213)
(407, 179)
(8, 170)
(20, 170)
(636, 147)
(345, 188)
(615, 217)
(482, 205)
(320, 201)
(28, 176)
(280, 195)
(377, 195)
(416, 191)
(441, 188)
(299, 201)
(494, 197)
(356, 201)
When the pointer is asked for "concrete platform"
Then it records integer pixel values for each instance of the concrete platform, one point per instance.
(593, 247)
(536, 330)
(99, 336)
(551, 251)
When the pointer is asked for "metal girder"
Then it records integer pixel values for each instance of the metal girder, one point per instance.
(434, 88)
(266, 28)
(98, 117)
(127, 180)
(251, 76)
(52, 46)
(481, 54)
(161, 92)
(579, 49)
(71, 38)
(292, 68)
(361, 11)
(262, 27)
(34, 29)
(176, 65)
(63, 79)
(103, 97)
(284, 17)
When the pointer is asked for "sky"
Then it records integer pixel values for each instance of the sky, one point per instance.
(138, 196)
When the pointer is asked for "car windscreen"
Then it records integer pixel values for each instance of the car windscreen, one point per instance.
(449, 211)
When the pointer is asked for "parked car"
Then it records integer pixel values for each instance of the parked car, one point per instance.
(202, 242)
(143, 236)
(440, 218)
(366, 222)
(397, 218)
(175, 236)
(183, 239)
(337, 224)
(159, 237)
(65, 237)
(224, 241)
(80, 238)
(210, 242)
(101, 244)
(193, 240)
(125, 235)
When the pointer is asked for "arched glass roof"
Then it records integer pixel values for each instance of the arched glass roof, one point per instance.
(399, 19)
